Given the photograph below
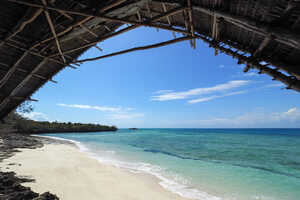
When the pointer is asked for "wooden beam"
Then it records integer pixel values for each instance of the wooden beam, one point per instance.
(161, 44)
(53, 31)
(21, 24)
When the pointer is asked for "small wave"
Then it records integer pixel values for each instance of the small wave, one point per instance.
(141, 167)
(81, 147)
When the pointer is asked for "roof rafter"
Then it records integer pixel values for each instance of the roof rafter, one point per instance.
(281, 35)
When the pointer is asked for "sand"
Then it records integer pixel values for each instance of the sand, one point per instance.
(71, 174)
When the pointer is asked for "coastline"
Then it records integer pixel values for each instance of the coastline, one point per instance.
(62, 168)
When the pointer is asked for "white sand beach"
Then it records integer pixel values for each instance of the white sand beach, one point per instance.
(69, 173)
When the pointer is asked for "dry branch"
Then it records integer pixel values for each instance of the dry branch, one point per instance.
(161, 44)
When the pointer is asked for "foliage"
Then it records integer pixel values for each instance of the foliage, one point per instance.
(22, 125)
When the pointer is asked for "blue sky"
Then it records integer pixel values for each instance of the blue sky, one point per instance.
(173, 86)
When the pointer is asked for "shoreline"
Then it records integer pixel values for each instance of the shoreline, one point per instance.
(74, 169)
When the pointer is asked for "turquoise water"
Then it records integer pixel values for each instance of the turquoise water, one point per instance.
(231, 164)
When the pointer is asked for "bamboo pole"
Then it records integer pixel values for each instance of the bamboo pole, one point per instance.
(53, 31)
(161, 44)
(168, 18)
(190, 12)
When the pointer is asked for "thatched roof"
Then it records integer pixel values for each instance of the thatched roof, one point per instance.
(41, 37)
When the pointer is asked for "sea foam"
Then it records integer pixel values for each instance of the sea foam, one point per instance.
(142, 167)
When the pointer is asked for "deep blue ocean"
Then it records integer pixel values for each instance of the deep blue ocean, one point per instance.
(207, 164)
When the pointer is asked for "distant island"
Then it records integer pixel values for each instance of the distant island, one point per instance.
(132, 128)
(18, 124)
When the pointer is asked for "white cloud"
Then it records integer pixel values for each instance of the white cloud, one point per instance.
(37, 116)
(200, 91)
(250, 74)
(257, 118)
(162, 91)
(292, 114)
(99, 108)
(215, 97)
(118, 115)
(221, 66)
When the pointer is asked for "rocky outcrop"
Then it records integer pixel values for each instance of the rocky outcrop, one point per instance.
(10, 184)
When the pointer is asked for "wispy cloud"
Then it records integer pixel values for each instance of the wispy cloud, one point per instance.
(37, 116)
(162, 91)
(250, 74)
(116, 113)
(200, 91)
(256, 119)
(99, 108)
(215, 97)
